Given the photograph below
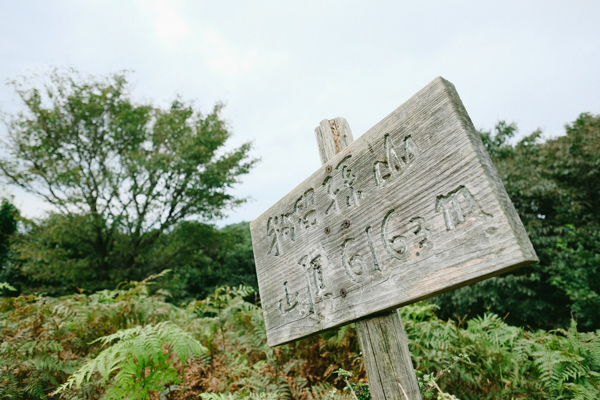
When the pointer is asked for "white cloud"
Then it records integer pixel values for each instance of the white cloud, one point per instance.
(226, 60)
(284, 66)
(170, 26)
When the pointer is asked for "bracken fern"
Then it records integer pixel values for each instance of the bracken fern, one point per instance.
(46, 340)
(141, 358)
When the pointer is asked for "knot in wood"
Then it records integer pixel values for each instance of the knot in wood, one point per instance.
(327, 230)
(343, 293)
(328, 169)
(346, 224)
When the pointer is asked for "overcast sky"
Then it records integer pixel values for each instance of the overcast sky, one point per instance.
(282, 66)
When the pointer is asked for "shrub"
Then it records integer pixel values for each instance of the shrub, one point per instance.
(112, 343)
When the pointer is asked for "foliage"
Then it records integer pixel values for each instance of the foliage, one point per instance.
(9, 216)
(360, 391)
(141, 355)
(48, 340)
(241, 361)
(119, 174)
(45, 340)
(4, 285)
(428, 383)
(493, 360)
(8, 227)
(202, 258)
(211, 258)
(554, 186)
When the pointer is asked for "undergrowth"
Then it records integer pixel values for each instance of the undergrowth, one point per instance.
(128, 342)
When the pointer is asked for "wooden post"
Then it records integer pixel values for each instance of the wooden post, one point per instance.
(382, 338)
(387, 358)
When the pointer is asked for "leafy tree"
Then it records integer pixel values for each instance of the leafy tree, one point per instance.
(225, 259)
(209, 258)
(119, 174)
(9, 215)
(554, 185)
(8, 227)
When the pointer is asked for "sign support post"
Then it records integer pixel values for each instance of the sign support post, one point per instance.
(382, 338)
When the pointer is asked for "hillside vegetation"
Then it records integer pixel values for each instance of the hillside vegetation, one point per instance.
(216, 348)
(554, 185)
(136, 189)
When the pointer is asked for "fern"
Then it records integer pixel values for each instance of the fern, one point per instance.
(119, 344)
(139, 359)
(239, 396)
(4, 285)
(220, 396)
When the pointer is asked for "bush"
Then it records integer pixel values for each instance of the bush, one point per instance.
(48, 340)
(554, 186)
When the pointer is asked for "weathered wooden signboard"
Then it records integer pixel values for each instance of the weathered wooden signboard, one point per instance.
(411, 209)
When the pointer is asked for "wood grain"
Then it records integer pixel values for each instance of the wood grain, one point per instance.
(411, 209)
(382, 337)
(332, 136)
(387, 359)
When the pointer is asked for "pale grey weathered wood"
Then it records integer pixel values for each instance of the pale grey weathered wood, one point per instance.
(382, 338)
(387, 359)
(411, 209)
(333, 136)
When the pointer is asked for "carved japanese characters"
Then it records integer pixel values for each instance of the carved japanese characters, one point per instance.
(283, 228)
(395, 162)
(412, 208)
(341, 188)
(290, 303)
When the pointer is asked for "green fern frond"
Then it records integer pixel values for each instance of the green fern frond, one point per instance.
(131, 353)
(4, 285)
(221, 396)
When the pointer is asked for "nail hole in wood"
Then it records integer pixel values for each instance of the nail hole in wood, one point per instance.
(343, 293)
(328, 169)
(327, 231)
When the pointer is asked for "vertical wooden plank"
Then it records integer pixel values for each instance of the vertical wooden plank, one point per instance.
(387, 359)
(382, 338)
(333, 136)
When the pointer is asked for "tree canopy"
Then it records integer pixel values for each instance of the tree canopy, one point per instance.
(119, 173)
(554, 185)
(136, 187)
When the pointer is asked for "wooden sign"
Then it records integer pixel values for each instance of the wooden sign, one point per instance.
(411, 209)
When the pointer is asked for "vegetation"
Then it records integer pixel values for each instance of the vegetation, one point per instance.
(554, 185)
(128, 343)
(137, 351)
(206, 258)
(216, 257)
(120, 176)
(136, 189)
(46, 339)
(8, 228)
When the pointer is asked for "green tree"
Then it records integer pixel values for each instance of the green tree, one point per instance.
(9, 216)
(554, 185)
(119, 174)
(213, 258)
